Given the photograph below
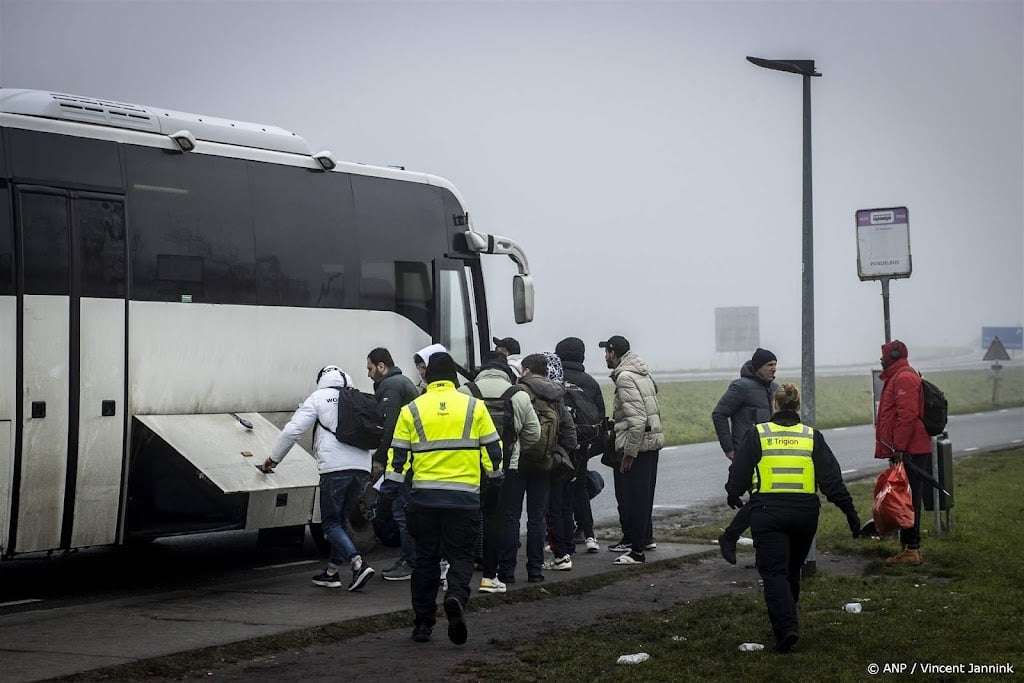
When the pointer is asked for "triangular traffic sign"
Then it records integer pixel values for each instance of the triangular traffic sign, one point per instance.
(996, 351)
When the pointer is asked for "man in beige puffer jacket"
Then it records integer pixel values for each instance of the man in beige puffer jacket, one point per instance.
(638, 438)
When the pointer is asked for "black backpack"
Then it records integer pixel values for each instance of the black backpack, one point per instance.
(934, 406)
(360, 419)
(502, 415)
(935, 410)
(584, 413)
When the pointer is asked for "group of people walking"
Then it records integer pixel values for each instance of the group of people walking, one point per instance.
(783, 463)
(459, 463)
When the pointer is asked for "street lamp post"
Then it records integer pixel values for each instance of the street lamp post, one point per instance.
(805, 68)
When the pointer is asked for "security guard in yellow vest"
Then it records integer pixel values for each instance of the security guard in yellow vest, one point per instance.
(445, 439)
(783, 463)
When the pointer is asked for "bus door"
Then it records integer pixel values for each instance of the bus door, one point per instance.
(456, 312)
(71, 368)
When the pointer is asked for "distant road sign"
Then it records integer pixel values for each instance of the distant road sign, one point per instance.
(883, 243)
(737, 328)
(996, 351)
(1011, 337)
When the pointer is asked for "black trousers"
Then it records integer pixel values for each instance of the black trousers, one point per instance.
(740, 523)
(454, 530)
(782, 537)
(637, 499)
(911, 537)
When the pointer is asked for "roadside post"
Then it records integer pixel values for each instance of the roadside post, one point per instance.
(996, 352)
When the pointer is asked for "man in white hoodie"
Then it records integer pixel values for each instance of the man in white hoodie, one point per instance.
(343, 469)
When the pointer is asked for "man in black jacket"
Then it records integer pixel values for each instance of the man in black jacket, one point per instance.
(746, 402)
(571, 350)
(784, 463)
(393, 390)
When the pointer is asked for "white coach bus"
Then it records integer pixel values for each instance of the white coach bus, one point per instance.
(167, 277)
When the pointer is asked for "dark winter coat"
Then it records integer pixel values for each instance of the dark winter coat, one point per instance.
(747, 402)
(827, 474)
(576, 374)
(393, 391)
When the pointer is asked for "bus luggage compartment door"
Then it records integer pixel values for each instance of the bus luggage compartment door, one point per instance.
(198, 473)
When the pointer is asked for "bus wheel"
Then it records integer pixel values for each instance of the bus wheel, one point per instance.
(316, 531)
(360, 524)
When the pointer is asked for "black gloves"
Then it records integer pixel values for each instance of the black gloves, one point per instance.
(854, 521)
(734, 501)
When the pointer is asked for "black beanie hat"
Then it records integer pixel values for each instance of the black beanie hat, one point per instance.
(761, 357)
(493, 360)
(441, 367)
(571, 349)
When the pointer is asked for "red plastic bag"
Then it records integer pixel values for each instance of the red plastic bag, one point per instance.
(894, 506)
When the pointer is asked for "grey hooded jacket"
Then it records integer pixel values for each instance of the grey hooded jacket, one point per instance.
(493, 383)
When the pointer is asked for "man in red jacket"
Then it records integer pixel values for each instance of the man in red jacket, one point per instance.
(900, 435)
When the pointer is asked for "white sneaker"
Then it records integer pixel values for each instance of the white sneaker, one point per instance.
(630, 558)
(444, 575)
(559, 564)
(492, 586)
(592, 545)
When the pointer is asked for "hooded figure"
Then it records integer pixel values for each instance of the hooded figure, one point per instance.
(421, 358)
(322, 405)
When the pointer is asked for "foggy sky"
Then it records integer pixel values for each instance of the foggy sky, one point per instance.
(648, 170)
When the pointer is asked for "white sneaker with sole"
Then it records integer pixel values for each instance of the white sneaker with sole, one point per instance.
(592, 545)
(559, 564)
(492, 586)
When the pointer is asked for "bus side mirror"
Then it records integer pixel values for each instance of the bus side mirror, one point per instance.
(522, 298)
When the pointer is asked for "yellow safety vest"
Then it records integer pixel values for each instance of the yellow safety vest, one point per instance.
(786, 465)
(445, 433)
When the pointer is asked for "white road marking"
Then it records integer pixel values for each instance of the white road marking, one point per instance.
(838, 429)
(20, 602)
(972, 448)
(848, 471)
(1017, 440)
(286, 564)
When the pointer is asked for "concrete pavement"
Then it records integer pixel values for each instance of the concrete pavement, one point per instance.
(46, 643)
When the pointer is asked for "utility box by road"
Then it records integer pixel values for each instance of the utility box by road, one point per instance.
(944, 453)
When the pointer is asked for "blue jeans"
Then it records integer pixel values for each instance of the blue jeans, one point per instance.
(398, 508)
(535, 487)
(339, 493)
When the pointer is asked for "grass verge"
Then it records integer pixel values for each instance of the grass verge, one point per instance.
(840, 401)
(964, 607)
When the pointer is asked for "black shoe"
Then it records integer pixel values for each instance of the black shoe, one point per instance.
(786, 642)
(535, 578)
(622, 546)
(421, 633)
(727, 546)
(360, 576)
(507, 578)
(457, 631)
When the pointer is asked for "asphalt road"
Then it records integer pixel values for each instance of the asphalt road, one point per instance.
(695, 474)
